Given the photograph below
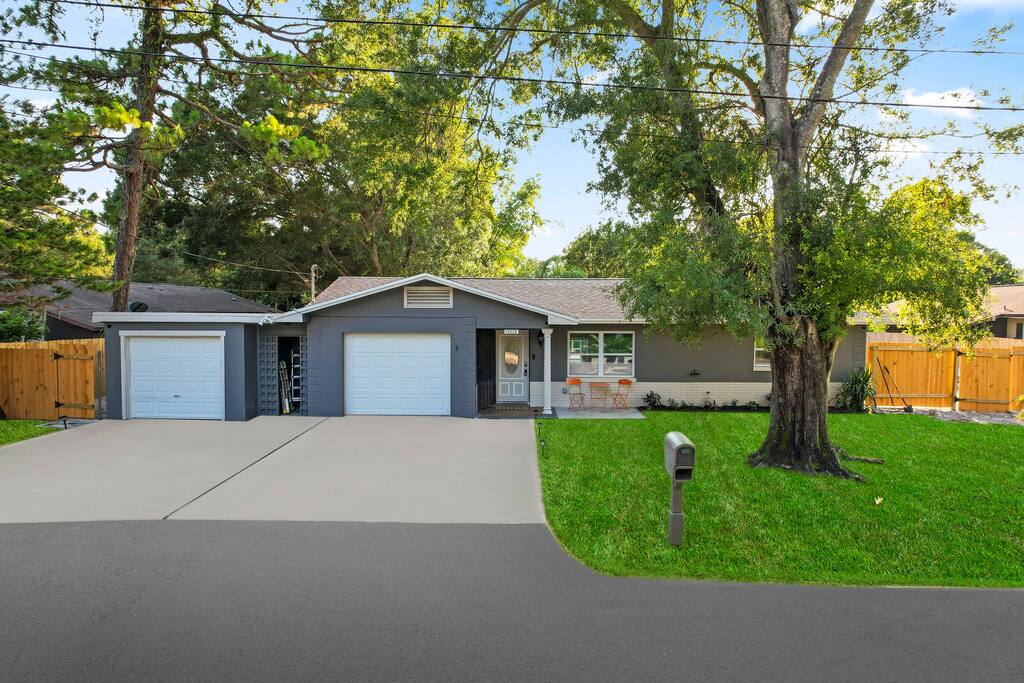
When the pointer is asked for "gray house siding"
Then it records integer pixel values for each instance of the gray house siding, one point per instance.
(61, 329)
(386, 313)
(240, 398)
(720, 357)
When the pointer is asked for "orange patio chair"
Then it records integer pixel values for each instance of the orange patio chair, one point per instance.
(620, 399)
(575, 392)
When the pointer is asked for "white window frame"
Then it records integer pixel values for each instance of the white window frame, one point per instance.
(448, 290)
(600, 352)
(758, 366)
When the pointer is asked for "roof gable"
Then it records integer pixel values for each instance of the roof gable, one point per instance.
(348, 289)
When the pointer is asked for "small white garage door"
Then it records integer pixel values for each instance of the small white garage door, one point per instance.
(175, 377)
(397, 374)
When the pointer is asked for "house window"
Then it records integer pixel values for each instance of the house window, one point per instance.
(1020, 331)
(601, 354)
(428, 297)
(762, 357)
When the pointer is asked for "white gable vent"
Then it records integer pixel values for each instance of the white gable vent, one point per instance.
(428, 297)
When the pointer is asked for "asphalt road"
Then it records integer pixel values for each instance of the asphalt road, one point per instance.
(224, 601)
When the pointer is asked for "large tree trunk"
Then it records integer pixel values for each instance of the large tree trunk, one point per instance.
(797, 436)
(136, 167)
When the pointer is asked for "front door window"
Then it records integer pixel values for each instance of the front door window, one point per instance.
(511, 357)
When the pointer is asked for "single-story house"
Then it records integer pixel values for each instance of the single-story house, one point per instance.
(70, 317)
(422, 345)
(1006, 306)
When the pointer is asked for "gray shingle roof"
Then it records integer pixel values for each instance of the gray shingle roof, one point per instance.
(1006, 300)
(78, 308)
(583, 298)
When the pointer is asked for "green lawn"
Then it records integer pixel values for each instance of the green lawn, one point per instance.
(951, 510)
(19, 430)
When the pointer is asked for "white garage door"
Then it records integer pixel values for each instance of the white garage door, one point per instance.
(175, 377)
(397, 374)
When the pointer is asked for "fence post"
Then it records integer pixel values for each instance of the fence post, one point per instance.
(97, 367)
(956, 378)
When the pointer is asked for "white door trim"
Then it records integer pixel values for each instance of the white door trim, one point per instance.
(126, 336)
(523, 380)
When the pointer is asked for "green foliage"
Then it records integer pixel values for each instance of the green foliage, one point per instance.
(19, 324)
(556, 266)
(856, 391)
(40, 241)
(998, 266)
(602, 251)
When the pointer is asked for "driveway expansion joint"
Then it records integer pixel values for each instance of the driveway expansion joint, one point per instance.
(254, 462)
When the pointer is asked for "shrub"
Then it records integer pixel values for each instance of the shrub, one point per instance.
(19, 324)
(652, 400)
(856, 391)
(672, 403)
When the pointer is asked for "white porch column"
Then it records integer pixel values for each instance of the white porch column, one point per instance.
(547, 369)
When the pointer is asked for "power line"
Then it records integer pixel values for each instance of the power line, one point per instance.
(511, 79)
(407, 23)
(574, 129)
(80, 216)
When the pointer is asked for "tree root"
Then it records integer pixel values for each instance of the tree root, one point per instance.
(843, 455)
(822, 467)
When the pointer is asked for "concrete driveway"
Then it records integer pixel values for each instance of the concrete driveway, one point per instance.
(368, 469)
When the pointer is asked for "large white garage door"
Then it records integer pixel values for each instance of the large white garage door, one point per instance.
(175, 377)
(397, 374)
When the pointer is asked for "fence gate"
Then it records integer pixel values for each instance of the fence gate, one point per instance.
(50, 380)
(989, 380)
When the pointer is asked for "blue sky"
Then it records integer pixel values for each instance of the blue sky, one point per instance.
(564, 167)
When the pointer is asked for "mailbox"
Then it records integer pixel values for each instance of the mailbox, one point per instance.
(680, 454)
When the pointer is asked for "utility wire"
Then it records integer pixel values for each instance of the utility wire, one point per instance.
(511, 79)
(83, 217)
(408, 23)
(574, 129)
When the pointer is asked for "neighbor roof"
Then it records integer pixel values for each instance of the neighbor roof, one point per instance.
(1006, 300)
(587, 299)
(78, 307)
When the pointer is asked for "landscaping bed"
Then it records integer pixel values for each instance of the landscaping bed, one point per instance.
(19, 430)
(945, 509)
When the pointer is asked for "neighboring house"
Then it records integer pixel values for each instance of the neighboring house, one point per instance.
(421, 345)
(1006, 305)
(71, 317)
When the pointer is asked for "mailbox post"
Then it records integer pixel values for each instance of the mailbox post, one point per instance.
(680, 456)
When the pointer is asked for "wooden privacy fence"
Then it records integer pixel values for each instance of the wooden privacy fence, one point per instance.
(988, 380)
(48, 380)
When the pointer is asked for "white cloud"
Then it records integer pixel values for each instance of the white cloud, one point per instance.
(811, 19)
(808, 22)
(988, 4)
(959, 98)
(601, 76)
(901, 150)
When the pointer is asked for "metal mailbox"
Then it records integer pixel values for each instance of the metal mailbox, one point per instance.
(680, 456)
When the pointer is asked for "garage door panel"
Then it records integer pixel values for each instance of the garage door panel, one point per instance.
(179, 378)
(398, 374)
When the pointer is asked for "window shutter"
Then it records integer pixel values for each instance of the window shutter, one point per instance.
(428, 297)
